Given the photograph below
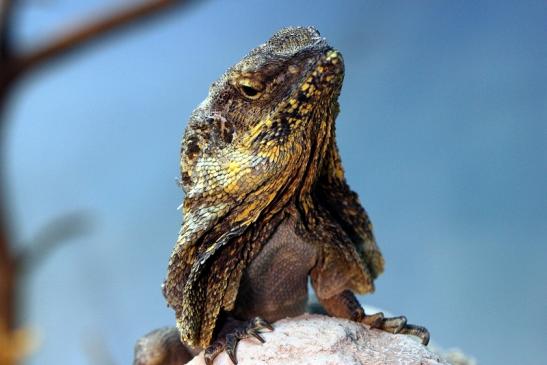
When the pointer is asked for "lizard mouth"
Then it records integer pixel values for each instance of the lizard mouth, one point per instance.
(323, 82)
(323, 65)
(328, 72)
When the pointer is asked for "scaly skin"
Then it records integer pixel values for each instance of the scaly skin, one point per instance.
(264, 186)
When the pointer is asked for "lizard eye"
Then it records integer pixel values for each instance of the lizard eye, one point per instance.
(250, 89)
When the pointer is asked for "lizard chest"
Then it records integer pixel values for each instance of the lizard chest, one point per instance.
(275, 284)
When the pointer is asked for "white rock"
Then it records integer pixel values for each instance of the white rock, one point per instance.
(321, 340)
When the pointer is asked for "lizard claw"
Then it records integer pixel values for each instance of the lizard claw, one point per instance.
(230, 341)
(419, 331)
(396, 325)
(256, 335)
(375, 320)
(259, 323)
(231, 346)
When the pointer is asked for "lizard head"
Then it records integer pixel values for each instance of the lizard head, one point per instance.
(272, 103)
(277, 88)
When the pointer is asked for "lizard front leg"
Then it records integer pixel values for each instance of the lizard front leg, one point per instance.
(345, 305)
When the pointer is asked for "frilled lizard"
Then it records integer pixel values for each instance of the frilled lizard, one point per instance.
(267, 205)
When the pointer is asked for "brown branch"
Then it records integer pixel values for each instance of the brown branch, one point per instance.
(91, 32)
(12, 67)
(7, 283)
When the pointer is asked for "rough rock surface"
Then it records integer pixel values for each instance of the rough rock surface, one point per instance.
(316, 339)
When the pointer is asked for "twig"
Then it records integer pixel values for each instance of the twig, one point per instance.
(89, 33)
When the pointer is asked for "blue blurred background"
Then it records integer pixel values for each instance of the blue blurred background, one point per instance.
(443, 133)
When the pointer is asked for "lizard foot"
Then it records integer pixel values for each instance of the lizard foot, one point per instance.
(229, 342)
(346, 305)
(395, 325)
